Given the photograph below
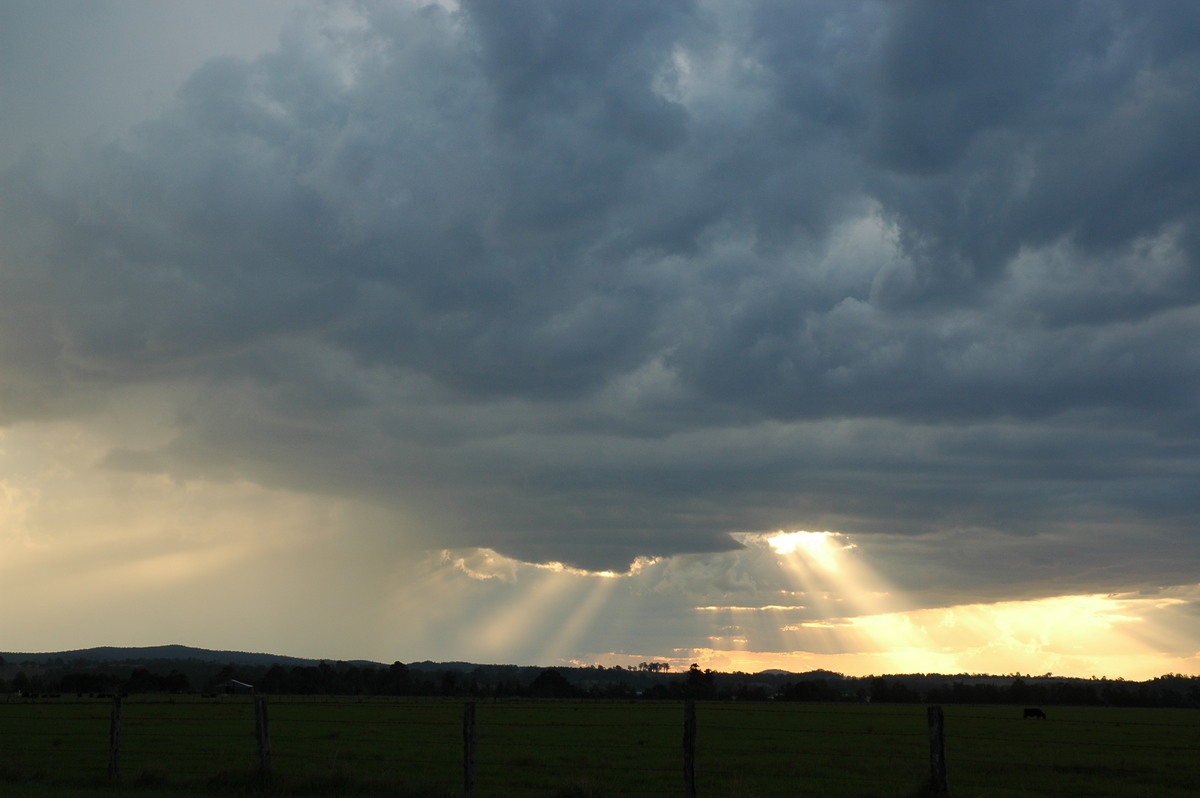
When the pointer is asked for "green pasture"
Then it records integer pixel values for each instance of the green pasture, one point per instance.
(414, 747)
(1078, 751)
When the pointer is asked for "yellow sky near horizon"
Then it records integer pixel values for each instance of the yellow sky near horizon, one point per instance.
(1080, 636)
(93, 556)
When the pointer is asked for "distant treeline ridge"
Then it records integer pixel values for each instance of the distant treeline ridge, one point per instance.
(648, 681)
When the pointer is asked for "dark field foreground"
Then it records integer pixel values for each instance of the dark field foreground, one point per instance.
(415, 747)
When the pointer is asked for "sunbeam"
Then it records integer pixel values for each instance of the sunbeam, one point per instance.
(847, 617)
(792, 601)
(592, 597)
(537, 612)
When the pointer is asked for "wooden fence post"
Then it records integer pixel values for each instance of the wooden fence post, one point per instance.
(469, 748)
(937, 752)
(689, 749)
(114, 740)
(263, 730)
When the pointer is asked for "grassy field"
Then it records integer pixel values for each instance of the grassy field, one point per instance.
(345, 747)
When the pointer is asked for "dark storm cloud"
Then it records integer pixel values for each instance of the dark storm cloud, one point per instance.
(584, 281)
(1048, 121)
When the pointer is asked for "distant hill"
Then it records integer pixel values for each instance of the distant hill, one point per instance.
(805, 675)
(118, 654)
(427, 665)
(180, 669)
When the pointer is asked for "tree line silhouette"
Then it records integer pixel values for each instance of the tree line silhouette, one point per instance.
(649, 681)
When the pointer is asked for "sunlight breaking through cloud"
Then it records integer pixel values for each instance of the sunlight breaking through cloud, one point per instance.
(486, 564)
(484, 324)
(1063, 635)
(837, 613)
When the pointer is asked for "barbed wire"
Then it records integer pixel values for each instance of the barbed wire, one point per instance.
(583, 737)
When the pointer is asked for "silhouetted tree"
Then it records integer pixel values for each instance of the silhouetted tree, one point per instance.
(88, 683)
(886, 691)
(21, 683)
(810, 690)
(396, 680)
(551, 684)
(142, 680)
(224, 675)
(176, 682)
(275, 680)
(700, 683)
(654, 667)
(449, 682)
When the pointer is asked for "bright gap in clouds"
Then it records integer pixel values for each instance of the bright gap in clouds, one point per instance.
(857, 624)
(187, 556)
(796, 601)
(820, 548)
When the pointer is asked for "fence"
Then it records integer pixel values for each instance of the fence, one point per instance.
(514, 748)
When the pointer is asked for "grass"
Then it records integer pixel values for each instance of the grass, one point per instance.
(1084, 751)
(411, 747)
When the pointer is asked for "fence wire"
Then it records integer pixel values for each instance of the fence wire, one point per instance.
(619, 748)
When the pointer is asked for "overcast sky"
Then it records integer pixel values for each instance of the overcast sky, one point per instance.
(519, 331)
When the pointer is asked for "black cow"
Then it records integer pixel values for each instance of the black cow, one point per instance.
(1034, 712)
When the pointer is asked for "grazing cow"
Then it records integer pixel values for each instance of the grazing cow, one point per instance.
(1034, 712)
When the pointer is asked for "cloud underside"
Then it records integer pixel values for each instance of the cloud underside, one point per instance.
(584, 282)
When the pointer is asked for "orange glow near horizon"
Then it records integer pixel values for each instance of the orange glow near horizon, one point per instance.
(836, 613)
(1087, 635)
(862, 626)
(182, 556)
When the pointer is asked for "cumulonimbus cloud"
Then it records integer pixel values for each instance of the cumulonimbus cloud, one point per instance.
(599, 280)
